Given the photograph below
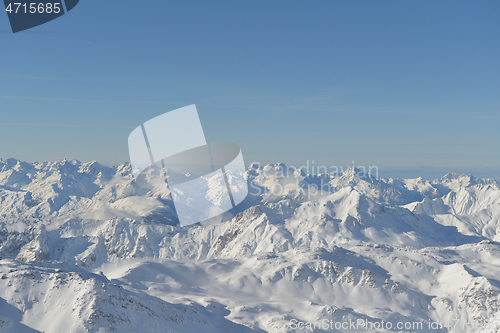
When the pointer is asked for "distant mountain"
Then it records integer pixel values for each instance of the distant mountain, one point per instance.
(84, 248)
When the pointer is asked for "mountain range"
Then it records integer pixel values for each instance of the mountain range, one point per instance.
(84, 248)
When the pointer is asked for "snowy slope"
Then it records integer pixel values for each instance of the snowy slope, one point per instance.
(83, 248)
(63, 298)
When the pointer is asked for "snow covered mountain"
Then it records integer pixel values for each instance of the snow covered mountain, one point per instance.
(83, 248)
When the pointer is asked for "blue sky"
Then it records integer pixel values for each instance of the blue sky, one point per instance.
(398, 84)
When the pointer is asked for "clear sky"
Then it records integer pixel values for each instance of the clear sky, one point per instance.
(398, 84)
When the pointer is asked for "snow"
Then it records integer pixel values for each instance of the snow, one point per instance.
(83, 248)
